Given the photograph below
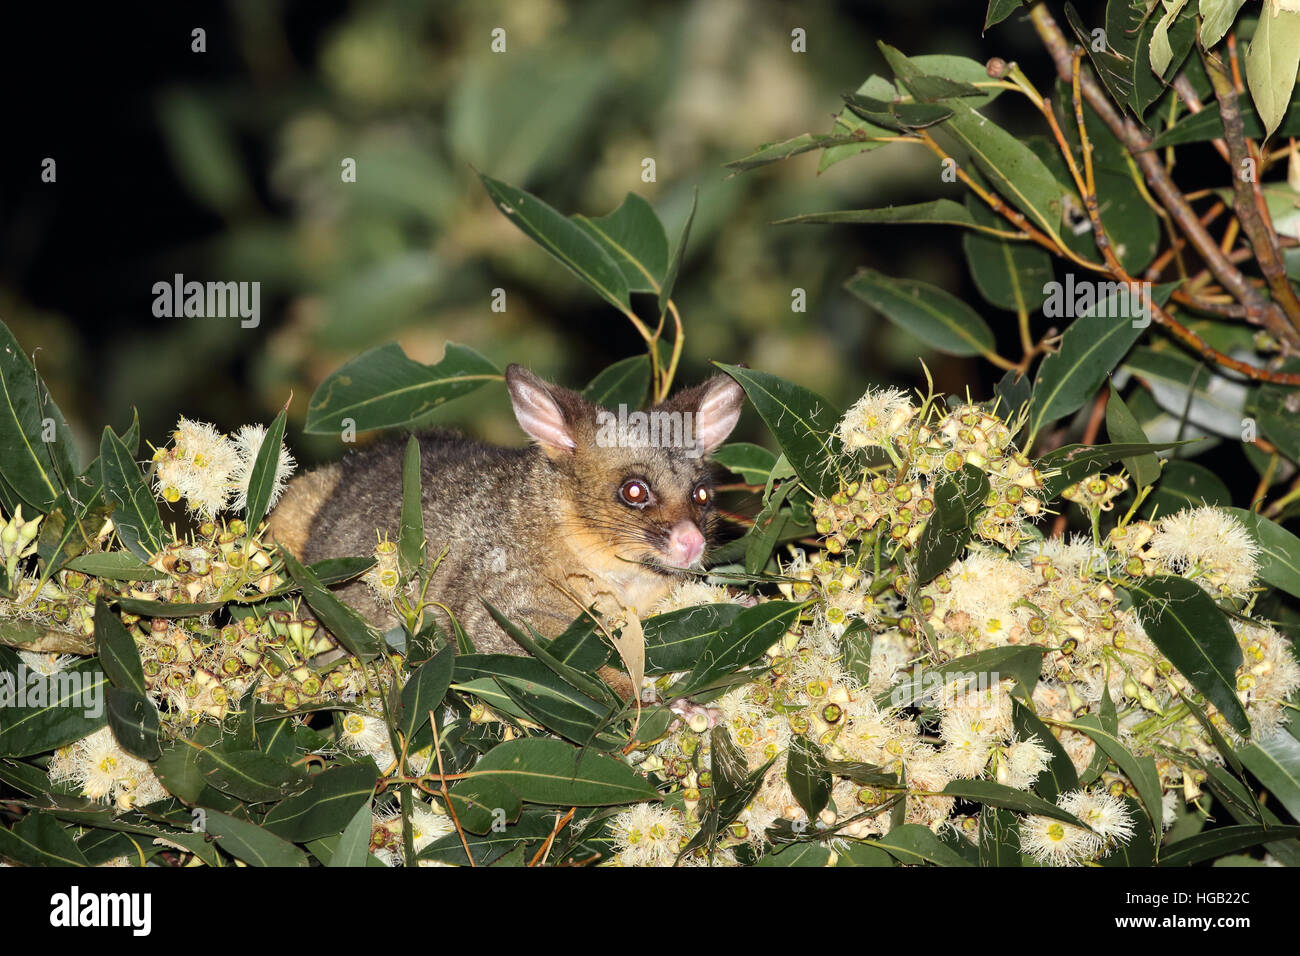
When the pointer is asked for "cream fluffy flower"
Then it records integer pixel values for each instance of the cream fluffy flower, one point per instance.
(1210, 547)
(106, 772)
(875, 418)
(647, 834)
(197, 467)
(1054, 842)
(247, 443)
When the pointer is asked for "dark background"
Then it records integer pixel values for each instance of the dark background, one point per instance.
(224, 165)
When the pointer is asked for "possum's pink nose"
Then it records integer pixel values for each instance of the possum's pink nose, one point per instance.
(685, 544)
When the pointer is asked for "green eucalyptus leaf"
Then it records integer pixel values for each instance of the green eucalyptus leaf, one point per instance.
(1279, 551)
(1272, 60)
(623, 383)
(261, 480)
(935, 317)
(634, 238)
(382, 388)
(803, 422)
(135, 513)
(1122, 427)
(563, 238)
(1189, 629)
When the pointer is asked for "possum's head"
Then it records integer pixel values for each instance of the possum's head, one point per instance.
(637, 483)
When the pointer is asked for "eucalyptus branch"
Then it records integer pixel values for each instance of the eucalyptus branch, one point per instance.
(1248, 197)
(1258, 309)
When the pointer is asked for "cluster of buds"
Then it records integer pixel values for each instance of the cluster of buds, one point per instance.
(844, 592)
(1096, 493)
(18, 540)
(200, 673)
(66, 602)
(217, 563)
(848, 514)
(925, 447)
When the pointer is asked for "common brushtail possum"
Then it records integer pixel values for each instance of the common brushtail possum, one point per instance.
(602, 509)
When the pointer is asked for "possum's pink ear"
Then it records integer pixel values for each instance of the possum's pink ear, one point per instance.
(718, 411)
(538, 412)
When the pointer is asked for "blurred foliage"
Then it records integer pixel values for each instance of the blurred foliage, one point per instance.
(232, 163)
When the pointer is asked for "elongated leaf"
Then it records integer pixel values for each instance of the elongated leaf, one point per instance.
(1115, 68)
(335, 795)
(634, 238)
(36, 469)
(135, 513)
(382, 388)
(1171, 38)
(563, 238)
(803, 422)
(623, 383)
(1275, 760)
(261, 480)
(895, 115)
(753, 631)
(1221, 841)
(1140, 770)
(1271, 63)
(117, 650)
(809, 780)
(800, 854)
(956, 498)
(775, 152)
(752, 462)
(38, 840)
(165, 608)
(678, 257)
(1182, 387)
(1060, 775)
(914, 844)
(425, 690)
(115, 566)
(1188, 628)
(1010, 165)
(1122, 427)
(548, 771)
(936, 212)
(1022, 664)
(674, 641)
(1010, 275)
(353, 848)
(1216, 19)
(1092, 346)
(53, 711)
(1279, 551)
(992, 794)
(351, 629)
(135, 723)
(251, 843)
(937, 318)
(999, 10)
(250, 775)
(410, 535)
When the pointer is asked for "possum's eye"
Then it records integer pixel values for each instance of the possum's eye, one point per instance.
(701, 495)
(635, 492)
